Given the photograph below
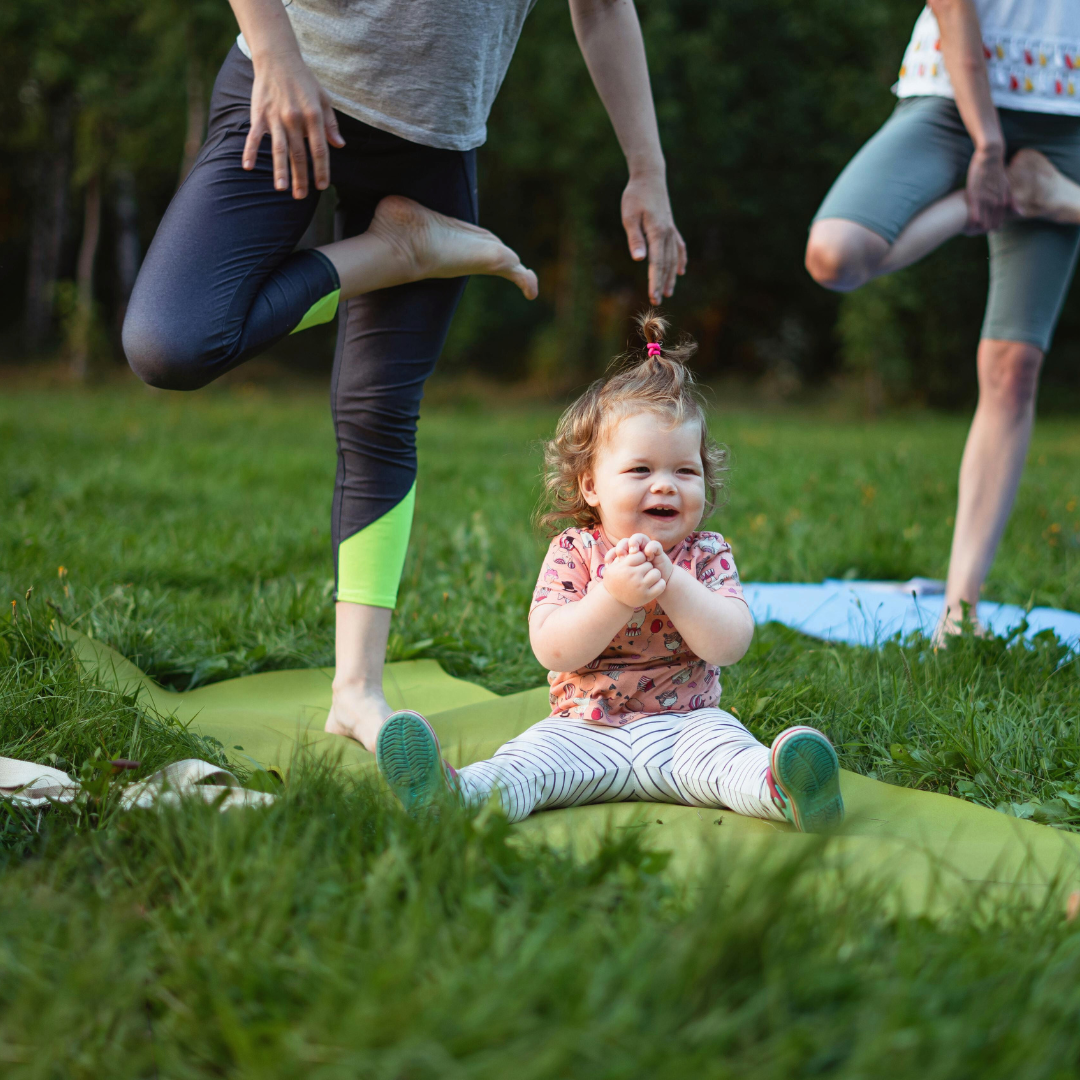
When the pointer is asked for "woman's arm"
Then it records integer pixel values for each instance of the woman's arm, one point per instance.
(286, 99)
(609, 35)
(962, 52)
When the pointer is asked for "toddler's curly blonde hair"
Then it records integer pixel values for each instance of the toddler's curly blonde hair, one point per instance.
(644, 380)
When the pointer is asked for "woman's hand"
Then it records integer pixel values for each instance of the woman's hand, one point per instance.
(988, 196)
(650, 230)
(288, 102)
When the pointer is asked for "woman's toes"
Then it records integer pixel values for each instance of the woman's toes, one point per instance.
(525, 280)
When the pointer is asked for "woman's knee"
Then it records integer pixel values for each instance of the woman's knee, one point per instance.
(170, 357)
(842, 255)
(1008, 374)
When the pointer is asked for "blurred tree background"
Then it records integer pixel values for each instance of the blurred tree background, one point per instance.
(761, 102)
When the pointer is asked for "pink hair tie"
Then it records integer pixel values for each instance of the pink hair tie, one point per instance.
(655, 348)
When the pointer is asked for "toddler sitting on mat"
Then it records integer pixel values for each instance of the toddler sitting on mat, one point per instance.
(635, 612)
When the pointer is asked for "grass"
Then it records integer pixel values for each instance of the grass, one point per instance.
(332, 937)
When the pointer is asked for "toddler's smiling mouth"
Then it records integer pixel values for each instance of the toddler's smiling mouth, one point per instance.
(662, 512)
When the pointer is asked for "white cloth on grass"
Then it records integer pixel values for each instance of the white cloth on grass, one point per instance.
(29, 784)
(702, 758)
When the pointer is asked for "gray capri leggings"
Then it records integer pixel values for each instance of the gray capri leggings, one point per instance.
(921, 154)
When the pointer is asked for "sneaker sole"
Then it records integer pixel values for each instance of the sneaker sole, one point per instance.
(409, 757)
(806, 770)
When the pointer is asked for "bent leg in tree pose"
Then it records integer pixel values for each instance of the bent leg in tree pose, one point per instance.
(393, 100)
(897, 200)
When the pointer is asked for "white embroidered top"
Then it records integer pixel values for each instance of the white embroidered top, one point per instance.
(1032, 50)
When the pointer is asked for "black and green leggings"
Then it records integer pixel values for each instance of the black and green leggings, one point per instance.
(221, 282)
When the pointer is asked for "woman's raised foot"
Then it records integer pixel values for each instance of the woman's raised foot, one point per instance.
(437, 246)
(1039, 190)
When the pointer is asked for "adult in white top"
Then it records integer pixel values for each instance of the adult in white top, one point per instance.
(984, 139)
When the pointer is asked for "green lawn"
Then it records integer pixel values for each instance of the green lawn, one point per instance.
(331, 937)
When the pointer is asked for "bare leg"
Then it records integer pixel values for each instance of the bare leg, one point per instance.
(990, 468)
(1039, 190)
(927, 231)
(843, 255)
(408, 242)
(359, 706)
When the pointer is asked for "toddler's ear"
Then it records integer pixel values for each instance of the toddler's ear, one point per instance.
(587, 487)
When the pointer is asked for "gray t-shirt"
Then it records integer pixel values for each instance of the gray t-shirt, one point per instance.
(427, 70)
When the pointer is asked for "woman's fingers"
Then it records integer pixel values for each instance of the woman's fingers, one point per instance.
(330, 124)
(298, 161)
(320, 152)
(279, 152)
(251, 143)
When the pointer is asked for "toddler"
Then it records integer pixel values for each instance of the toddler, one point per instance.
(635, 612)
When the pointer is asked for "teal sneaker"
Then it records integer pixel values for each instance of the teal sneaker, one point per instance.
(804, 779)
(408, 755)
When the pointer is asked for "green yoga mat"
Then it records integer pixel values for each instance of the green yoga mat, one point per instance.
(927, 844)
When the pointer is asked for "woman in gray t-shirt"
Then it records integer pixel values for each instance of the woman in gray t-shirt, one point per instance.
(389, 99)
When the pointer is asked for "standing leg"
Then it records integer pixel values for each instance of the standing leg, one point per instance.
(991, 467)
(555, 763)
(388, 343)
(1031, 265)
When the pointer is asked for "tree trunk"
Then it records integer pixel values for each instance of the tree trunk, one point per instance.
(82, 323)
(47, 226)
(127, 239)
(196, 112)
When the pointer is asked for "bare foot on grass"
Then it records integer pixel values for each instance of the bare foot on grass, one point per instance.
(436, 246)
(954, 621)
(1040, 191)
(357, 713)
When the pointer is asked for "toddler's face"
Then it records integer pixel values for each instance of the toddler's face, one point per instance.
(647, 478)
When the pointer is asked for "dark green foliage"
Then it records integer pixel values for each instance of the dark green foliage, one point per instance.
(761, 103)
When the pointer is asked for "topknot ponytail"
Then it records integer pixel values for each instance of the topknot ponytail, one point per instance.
(654, 327)
(654, 379)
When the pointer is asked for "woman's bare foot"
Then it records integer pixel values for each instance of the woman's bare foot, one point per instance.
(1040, 191)
(951, 623)
(437, 246)
(357, 713)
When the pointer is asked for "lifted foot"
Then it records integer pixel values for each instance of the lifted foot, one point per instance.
(1040, 191)
(437, 246)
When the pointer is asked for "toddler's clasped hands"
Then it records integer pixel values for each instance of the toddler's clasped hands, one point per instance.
(637, 570)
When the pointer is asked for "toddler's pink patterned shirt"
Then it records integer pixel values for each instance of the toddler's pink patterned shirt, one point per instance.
(647, 668)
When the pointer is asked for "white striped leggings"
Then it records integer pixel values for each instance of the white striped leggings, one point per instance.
(701, 758)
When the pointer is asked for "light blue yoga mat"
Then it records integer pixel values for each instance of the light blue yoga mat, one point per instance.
(870, 612)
